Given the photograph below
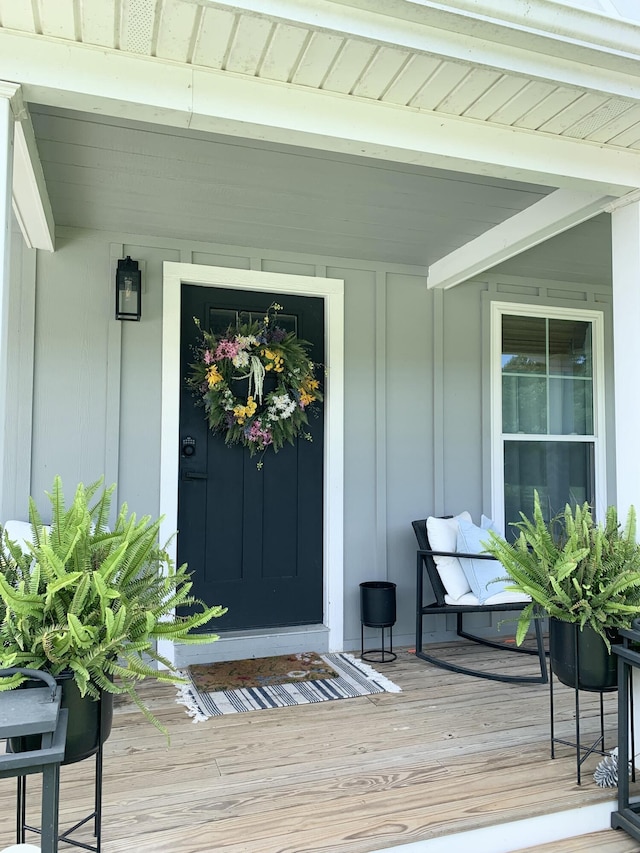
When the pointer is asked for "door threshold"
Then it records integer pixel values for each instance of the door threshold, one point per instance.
(255, 643)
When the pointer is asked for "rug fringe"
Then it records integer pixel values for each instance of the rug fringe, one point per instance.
(185, 697)
(372, 673)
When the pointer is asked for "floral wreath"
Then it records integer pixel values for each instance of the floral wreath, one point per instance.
(256, 417)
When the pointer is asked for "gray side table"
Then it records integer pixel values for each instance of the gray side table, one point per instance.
(36, 712)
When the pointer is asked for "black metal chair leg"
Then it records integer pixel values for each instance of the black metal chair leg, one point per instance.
(542, 652)
(419, 597)
(490, 676)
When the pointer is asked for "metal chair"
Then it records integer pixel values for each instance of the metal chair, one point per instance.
(425, 561)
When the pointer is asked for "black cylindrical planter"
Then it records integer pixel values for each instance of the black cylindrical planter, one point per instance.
(89, 721)
(580, 658)
(378, 610)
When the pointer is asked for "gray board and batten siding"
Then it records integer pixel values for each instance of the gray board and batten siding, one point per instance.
(415, 369)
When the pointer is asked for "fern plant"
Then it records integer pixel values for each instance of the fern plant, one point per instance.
(92, 600)
(573, 568)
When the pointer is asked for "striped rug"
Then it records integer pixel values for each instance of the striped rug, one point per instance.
(353, 678)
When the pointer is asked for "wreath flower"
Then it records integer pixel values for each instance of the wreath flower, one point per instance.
(256, 382)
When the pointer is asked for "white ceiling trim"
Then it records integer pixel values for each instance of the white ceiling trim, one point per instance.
(601, 55)
(121, 85)
(282, 113)
(491, 18)
(623, 201)
(551, 18)
(552, 215)
(31, 203)
(13, 93)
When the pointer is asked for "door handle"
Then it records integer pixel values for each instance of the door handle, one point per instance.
(194, 475)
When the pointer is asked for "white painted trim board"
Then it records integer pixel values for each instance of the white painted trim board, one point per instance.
(518, 835)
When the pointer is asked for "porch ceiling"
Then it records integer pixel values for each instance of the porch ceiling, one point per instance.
(123, 176)
(530, 78)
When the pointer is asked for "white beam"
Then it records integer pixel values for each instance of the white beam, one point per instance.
(31, 203)
(625, 241)
(7, 92)
(106, 83)
(552, 215)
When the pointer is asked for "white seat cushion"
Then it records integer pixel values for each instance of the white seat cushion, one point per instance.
(499, 598)
(443, 534)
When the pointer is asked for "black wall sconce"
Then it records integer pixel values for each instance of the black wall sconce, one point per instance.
(128, 290)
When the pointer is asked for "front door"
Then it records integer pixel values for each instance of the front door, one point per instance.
(252, 537)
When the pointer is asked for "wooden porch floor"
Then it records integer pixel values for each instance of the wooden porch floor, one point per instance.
(448, 754)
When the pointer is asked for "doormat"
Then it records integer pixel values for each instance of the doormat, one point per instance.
(212, 690)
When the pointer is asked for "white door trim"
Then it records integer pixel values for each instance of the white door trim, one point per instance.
(332, 291)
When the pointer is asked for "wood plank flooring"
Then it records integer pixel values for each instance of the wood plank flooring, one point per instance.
(450, 753)
(609, 841)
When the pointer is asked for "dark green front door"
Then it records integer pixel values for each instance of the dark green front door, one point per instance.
(252, 538)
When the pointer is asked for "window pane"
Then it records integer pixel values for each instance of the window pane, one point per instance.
(524, 404)
(561, 472)
(524, 344)
(570, 351)
(288, 322)
(571, 407)
(221, 319)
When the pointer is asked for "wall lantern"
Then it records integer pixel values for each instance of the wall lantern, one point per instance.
(128, 290)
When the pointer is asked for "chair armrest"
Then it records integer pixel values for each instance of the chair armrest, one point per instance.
(455, 554)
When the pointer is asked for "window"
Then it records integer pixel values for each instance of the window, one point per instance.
(548, 418)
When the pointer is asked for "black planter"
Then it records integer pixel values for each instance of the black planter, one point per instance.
(597, 669)
(89, 721)
(378, 604)
(378, 610)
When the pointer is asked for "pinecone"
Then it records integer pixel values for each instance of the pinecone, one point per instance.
(606, 773)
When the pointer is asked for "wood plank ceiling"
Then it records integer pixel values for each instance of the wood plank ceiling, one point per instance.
(123, 176)
(138, 178)
(213, 35)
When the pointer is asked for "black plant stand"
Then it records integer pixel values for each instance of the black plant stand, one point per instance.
(67, 835)
(583, 751)
(37, 714)
(94, 816)
(378, 610)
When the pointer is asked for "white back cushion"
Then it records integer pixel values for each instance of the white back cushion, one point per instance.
(20, 532)
(443, 535)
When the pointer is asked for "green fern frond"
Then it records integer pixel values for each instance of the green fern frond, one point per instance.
(574, 569)
(92, 599)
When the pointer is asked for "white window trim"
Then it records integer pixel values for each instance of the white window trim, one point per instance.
(596, 318)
